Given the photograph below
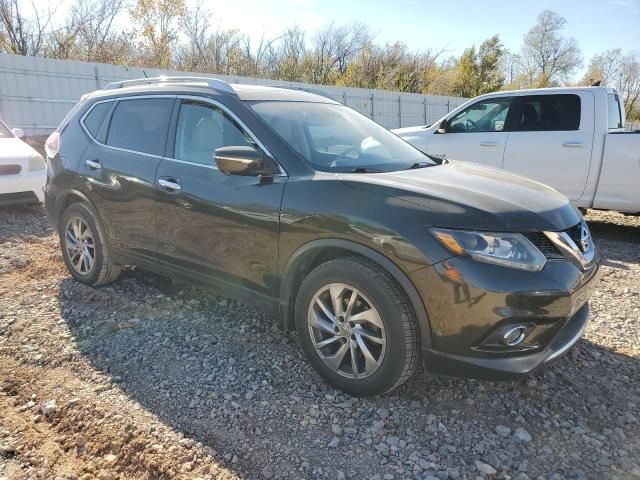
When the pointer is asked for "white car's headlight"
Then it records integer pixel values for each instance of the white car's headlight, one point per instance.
(508, 249)
(36, 162)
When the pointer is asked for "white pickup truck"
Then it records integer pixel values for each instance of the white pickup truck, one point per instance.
(571, 139)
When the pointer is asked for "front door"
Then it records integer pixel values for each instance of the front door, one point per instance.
(551, 140)
(475, 134)
(211, 225)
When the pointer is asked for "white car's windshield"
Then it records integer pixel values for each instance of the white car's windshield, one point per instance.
(335, 138)
(4, 131)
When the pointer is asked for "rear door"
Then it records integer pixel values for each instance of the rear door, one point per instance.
(120, 168)
(475, 134)
(212, 226)
(551, 140)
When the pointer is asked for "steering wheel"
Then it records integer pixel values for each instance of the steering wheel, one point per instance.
(344, 154)
(470, 125)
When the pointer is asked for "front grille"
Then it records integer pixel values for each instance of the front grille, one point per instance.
(11, 169)
(543, 244)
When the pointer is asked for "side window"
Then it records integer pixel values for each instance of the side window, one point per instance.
(615, 113)
(96, 116)
(485, 116)
(201, 129)
(548, 113)
(141, 125)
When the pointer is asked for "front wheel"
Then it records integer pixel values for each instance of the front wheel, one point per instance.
(356, 326)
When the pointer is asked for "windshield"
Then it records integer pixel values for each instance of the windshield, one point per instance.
(335, 138)
(4, 131)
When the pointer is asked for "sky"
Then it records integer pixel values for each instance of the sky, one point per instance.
(452, 25)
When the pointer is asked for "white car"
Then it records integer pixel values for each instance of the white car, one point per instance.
(571, 139)
(23, 171)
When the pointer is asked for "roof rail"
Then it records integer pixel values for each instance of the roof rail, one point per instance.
(211, 82)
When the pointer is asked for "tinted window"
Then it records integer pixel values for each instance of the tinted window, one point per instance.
(141, 125)
(548, 112)
(615, 114)
(96, 116)
(203, 128)
(4, 131)
(485, 116)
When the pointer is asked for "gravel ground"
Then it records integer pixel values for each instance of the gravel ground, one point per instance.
(150, 379)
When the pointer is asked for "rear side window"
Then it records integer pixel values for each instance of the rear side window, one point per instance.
(141, 125)
(93, 121)
(548, 113)
(615, 114)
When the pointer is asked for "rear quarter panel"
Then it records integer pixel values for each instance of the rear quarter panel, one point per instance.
(619, 183)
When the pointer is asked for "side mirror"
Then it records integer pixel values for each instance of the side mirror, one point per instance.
(18, 132)
(240, 160)
(442, 128)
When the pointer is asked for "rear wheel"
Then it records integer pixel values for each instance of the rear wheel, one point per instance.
(84, 246)
(357, 327)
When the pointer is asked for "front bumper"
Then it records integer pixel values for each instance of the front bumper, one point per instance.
(27, 187)
(468, 302)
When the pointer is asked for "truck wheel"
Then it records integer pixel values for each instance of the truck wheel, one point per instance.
(356, 326)
(84, 246)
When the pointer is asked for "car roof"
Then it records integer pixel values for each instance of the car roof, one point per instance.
(192, 85)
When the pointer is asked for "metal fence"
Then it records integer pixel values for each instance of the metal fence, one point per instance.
(36, 93)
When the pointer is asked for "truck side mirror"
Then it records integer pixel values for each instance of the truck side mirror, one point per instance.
(442, 128)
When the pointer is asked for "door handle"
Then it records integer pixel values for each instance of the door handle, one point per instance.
(488, 144)
(572, 144)
(171, 185)
(93, 164)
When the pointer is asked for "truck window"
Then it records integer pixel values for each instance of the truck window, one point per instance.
(548, 113)
(615, 114)
(484, 116)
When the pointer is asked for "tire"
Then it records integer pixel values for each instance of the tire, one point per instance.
(379, 317)
(98, 271)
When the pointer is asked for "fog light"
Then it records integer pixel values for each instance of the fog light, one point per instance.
(514, 336)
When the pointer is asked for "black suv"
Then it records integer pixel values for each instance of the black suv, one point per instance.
(377, 255)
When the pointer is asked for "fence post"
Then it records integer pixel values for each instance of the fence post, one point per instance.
(373, 112)
(399, 111)
(425, 110)
(448, 106)
(344, 98)
(95, 74)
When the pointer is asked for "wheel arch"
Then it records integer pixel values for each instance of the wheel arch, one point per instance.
(313, 253)
(68, 197)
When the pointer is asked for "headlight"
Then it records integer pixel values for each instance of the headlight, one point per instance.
(36, 162)
(508, 249)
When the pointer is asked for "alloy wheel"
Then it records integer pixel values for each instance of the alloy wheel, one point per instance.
(346, 330)
(80, 246)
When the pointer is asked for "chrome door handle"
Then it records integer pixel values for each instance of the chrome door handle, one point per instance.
(93, 164)
(169, 185)
(488, 144)
(573, 144)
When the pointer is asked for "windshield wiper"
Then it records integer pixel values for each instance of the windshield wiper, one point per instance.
(365, 170)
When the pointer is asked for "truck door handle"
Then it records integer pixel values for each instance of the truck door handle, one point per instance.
(488, 144)
(170, 184)
(93, 164)
(572, 144)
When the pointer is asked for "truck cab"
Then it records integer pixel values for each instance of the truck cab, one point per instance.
(571, 139)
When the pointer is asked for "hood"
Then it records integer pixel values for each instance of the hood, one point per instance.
(13, 150)
(471, 196)
(409, 130)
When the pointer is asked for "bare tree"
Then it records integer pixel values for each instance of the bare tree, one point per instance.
(23, 29)
(158, 22)
(547, 57)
